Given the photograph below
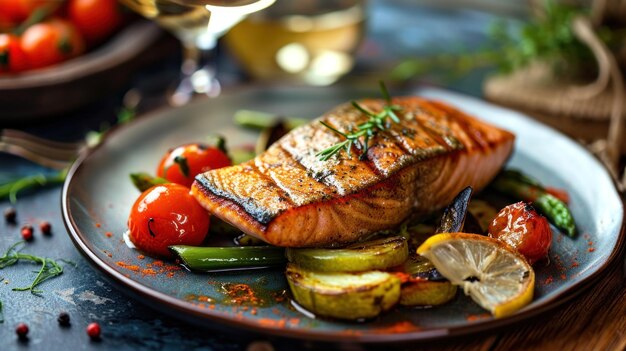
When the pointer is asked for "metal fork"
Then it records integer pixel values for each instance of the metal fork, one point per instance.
(48, 153)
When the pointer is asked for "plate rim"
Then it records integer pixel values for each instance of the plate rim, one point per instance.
(213, 319)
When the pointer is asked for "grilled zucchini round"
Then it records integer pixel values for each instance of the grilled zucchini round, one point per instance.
(366, 256)
(340, 295)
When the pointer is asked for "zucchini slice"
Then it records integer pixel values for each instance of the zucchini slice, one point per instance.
(339, 295)
(366, 256)
(425, 286)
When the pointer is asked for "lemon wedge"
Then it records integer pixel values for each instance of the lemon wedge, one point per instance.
(493, 274)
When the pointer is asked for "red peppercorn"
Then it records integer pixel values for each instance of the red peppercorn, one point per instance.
(21, 330)
(27, 232)
(45, 227)
(93, 330)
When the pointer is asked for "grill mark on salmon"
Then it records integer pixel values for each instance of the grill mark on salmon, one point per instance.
(288, 197)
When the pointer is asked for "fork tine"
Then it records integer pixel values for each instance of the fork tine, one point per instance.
(18, 134)
(33, 156)
(63, 154)
(44, 147)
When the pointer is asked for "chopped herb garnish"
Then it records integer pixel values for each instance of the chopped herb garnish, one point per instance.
(181, 161)
(376, 122)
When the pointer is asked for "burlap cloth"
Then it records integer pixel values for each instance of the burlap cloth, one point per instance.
(540, 94)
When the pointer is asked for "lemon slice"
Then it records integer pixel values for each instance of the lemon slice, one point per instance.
(493, 274)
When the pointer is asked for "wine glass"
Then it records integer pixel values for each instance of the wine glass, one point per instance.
(197, 24)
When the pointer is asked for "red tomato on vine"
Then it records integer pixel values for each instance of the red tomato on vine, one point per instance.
(51, 42)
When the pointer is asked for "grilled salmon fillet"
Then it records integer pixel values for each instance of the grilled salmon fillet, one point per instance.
(288, 197)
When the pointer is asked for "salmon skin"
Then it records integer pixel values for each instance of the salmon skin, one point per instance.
(288, 197)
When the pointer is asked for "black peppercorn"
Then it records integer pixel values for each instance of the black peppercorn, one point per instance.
(10, 215)
(64, 319)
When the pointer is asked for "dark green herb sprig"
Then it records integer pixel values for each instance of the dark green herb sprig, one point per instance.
(376, 122)
(49, 268)
(548, 38)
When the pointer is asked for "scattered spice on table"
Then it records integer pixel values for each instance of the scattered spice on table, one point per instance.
(108, 234)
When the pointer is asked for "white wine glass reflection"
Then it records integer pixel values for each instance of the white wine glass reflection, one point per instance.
(197, 24)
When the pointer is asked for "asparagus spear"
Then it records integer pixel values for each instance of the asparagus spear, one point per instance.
(521, 186)
(221, 258)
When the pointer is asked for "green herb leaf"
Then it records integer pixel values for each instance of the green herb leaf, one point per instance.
(144, 181)
(218, 141)
(181, 161)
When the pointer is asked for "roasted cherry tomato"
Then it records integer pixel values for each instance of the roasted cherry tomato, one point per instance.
(51, 42)
(182, 164)
(520, 226)
(167, 215)
(96, 20)
(12, 57)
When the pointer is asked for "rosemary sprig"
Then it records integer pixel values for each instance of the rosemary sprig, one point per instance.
(548, 38)
(12, 187)
(364, 132)
(49, 267)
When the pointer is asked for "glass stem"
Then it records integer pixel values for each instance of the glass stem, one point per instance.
(198, 73)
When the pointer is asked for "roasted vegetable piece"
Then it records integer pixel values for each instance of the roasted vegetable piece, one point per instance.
(223, 258)
(521, 186)
(424, 285)
(182, 164)
(369, 255)
(165, 215)
(520, 226)
(483, 212)
(349, 296)
(454, 215)
(144, 181)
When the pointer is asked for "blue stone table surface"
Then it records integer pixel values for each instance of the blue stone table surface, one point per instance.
(396, 29)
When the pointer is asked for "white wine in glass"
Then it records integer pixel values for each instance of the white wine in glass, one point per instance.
(310, 41)
(197, 24)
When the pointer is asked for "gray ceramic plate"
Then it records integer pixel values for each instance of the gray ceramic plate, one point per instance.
(97, 197)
